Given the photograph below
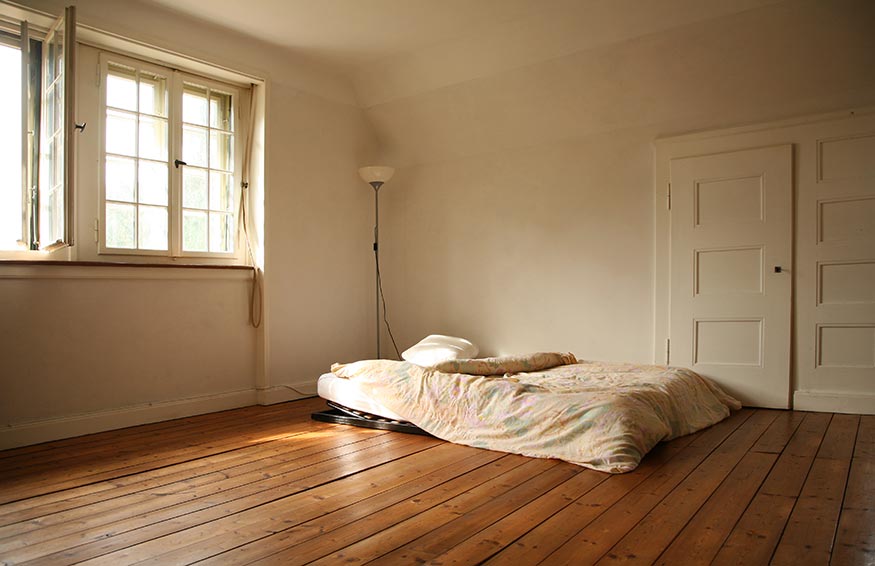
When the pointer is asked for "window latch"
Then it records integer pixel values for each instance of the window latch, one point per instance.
(179, 162)
(80, 127)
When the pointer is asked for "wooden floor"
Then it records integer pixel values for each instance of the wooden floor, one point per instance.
(267, 485)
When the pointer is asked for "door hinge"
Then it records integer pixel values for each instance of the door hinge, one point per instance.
(667, 351)
(668, 197)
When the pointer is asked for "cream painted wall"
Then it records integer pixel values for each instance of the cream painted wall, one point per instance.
(130, 344)
(79, 340)
(319, 267)
(527, 249)
(522, 214)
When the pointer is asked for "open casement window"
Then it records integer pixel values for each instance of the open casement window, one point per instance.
(36, 158)
(171, 167)
(57, 158)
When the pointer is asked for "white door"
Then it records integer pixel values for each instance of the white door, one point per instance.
(731, 254)
(835, 317)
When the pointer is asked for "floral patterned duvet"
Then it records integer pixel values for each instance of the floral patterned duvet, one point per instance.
(605, 416)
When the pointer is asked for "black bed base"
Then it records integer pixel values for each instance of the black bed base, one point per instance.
(344, 415)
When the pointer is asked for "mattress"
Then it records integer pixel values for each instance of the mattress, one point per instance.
(348, 393)
(605, 416)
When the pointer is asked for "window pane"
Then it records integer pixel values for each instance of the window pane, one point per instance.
(120, 178)
(121, 133)
(52, 216)
(120, 225)
(51, 194)
(194, 231)
(220, 111)
(153, 183)
(194, 145)
(121, 88)
(52, 55)
(153, 228)
(194, 105)
(11, 202)
(55, 99)
(55, 167)
(221, 233)
(221, 156)
(153, 138)
(153, 94)
(221, 192)
(47, 113)
(54, 63)
(194, 188)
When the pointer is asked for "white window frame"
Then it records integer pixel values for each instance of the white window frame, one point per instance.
(65, 25)
(43, 28)
(239, 118)
(175, 82)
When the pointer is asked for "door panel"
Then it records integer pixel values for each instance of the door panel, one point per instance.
(731, 254)
(733, 270)
(836, 248)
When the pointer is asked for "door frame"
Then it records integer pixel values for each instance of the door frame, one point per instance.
(790, 131)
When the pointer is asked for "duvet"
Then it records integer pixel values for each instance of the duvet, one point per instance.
(605, 416)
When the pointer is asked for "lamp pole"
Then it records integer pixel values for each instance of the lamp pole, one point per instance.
(377, 185)
(376, 176)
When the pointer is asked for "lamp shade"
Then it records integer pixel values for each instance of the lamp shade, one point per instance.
(376, 173)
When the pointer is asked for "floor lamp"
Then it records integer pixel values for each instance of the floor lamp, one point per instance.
(376, 176)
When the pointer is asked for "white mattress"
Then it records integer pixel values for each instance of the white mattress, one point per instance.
(345, 392)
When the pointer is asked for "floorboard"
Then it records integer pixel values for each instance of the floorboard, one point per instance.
(855, 538)
(268, 485)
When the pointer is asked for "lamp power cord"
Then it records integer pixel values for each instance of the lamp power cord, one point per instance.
(383, 300)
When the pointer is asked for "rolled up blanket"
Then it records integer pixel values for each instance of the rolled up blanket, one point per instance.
(507, 364)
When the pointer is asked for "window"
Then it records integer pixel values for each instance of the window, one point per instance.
(170, 162)
(158, 167)
(36, 98)
(55, 180)
(11, 175)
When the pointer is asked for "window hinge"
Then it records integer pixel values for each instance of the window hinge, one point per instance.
(98, 75)
(667, 351)
(96, 230)
(668, 197)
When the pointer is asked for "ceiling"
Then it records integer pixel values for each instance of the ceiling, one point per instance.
(348, 34)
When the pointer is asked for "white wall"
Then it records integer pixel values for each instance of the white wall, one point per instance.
(145, 344)
(318, 211)
(86, 348)
(522, 214)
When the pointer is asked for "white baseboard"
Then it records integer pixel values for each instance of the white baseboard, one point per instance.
(286, 392)
(834, 402)
(33, 432)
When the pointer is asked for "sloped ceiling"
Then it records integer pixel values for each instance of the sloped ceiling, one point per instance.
(355, 36)
(349, 33)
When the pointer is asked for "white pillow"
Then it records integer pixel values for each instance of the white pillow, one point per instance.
(435, 348)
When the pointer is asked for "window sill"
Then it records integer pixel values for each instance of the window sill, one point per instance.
(50, 269)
